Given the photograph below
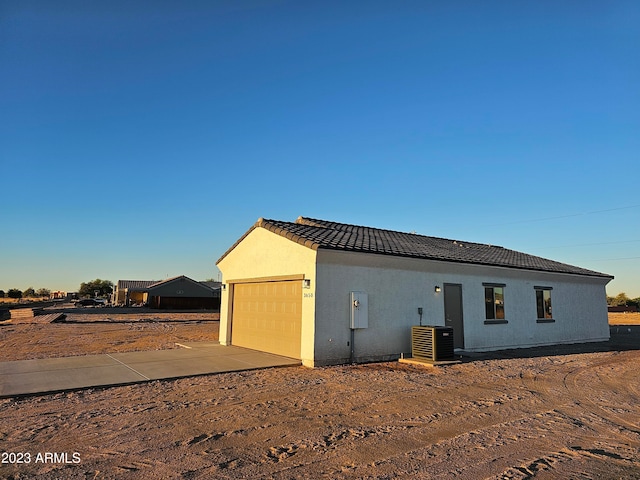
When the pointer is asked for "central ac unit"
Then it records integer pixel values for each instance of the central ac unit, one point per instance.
(432, 343)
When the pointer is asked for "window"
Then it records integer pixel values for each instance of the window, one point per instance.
(494, 303)
(543, 303)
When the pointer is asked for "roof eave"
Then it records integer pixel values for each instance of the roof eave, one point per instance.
(262, 223)
(286, 234)
(466, 262)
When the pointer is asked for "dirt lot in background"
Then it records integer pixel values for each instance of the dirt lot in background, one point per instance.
(624, 319)
(546, 413)
(104, 331)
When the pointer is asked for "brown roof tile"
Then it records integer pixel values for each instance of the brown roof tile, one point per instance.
(314, 233)
(135, 284)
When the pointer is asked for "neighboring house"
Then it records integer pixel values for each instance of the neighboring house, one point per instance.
(292, 289)
(60, 295)
(130, 292)
(182, 293)
(174, 293)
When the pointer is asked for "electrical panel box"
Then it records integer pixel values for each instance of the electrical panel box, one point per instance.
(359, 310)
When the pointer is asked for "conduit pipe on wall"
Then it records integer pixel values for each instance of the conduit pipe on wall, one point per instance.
(353, 351)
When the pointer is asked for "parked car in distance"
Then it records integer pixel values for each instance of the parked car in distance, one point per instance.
(90, 302)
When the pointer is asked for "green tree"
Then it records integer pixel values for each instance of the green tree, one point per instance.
(29, 292)
(621, 299)
(89, 289)
(2, 293)
(14, 293)
(43, 292)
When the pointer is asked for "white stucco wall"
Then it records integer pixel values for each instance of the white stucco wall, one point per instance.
(396, 287)
(264, 254)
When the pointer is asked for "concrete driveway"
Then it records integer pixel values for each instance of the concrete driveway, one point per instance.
(27, 377)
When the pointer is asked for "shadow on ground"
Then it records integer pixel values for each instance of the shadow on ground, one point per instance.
(623, 338)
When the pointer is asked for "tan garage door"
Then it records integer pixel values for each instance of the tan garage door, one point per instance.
(267, 316)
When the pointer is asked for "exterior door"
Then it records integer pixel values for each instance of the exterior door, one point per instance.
(453, 312)
(267, 316)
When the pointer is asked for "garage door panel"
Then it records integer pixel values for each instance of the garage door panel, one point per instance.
(267, 316)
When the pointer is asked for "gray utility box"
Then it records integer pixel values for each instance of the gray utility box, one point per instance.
(432, 343)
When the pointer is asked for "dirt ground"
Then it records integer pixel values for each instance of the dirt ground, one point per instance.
(104, 331)
(545, 413)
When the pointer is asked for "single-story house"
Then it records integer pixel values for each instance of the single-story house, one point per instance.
(182, 293)
(130, 292)
(174, 293)
(329, 293)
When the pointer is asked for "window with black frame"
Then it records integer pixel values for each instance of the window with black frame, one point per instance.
(494, 303)
(543, 304)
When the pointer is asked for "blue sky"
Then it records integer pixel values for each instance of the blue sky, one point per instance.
(140, 140)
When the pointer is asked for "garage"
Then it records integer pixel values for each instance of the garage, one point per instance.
(267, 316)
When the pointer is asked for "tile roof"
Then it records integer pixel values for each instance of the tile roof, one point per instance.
(212, 284)
(166, 280)
(135, 284)
(315, 234)
(169, 280)
(147, 284)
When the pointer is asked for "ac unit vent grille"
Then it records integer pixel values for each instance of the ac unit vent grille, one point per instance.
(432, 343)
